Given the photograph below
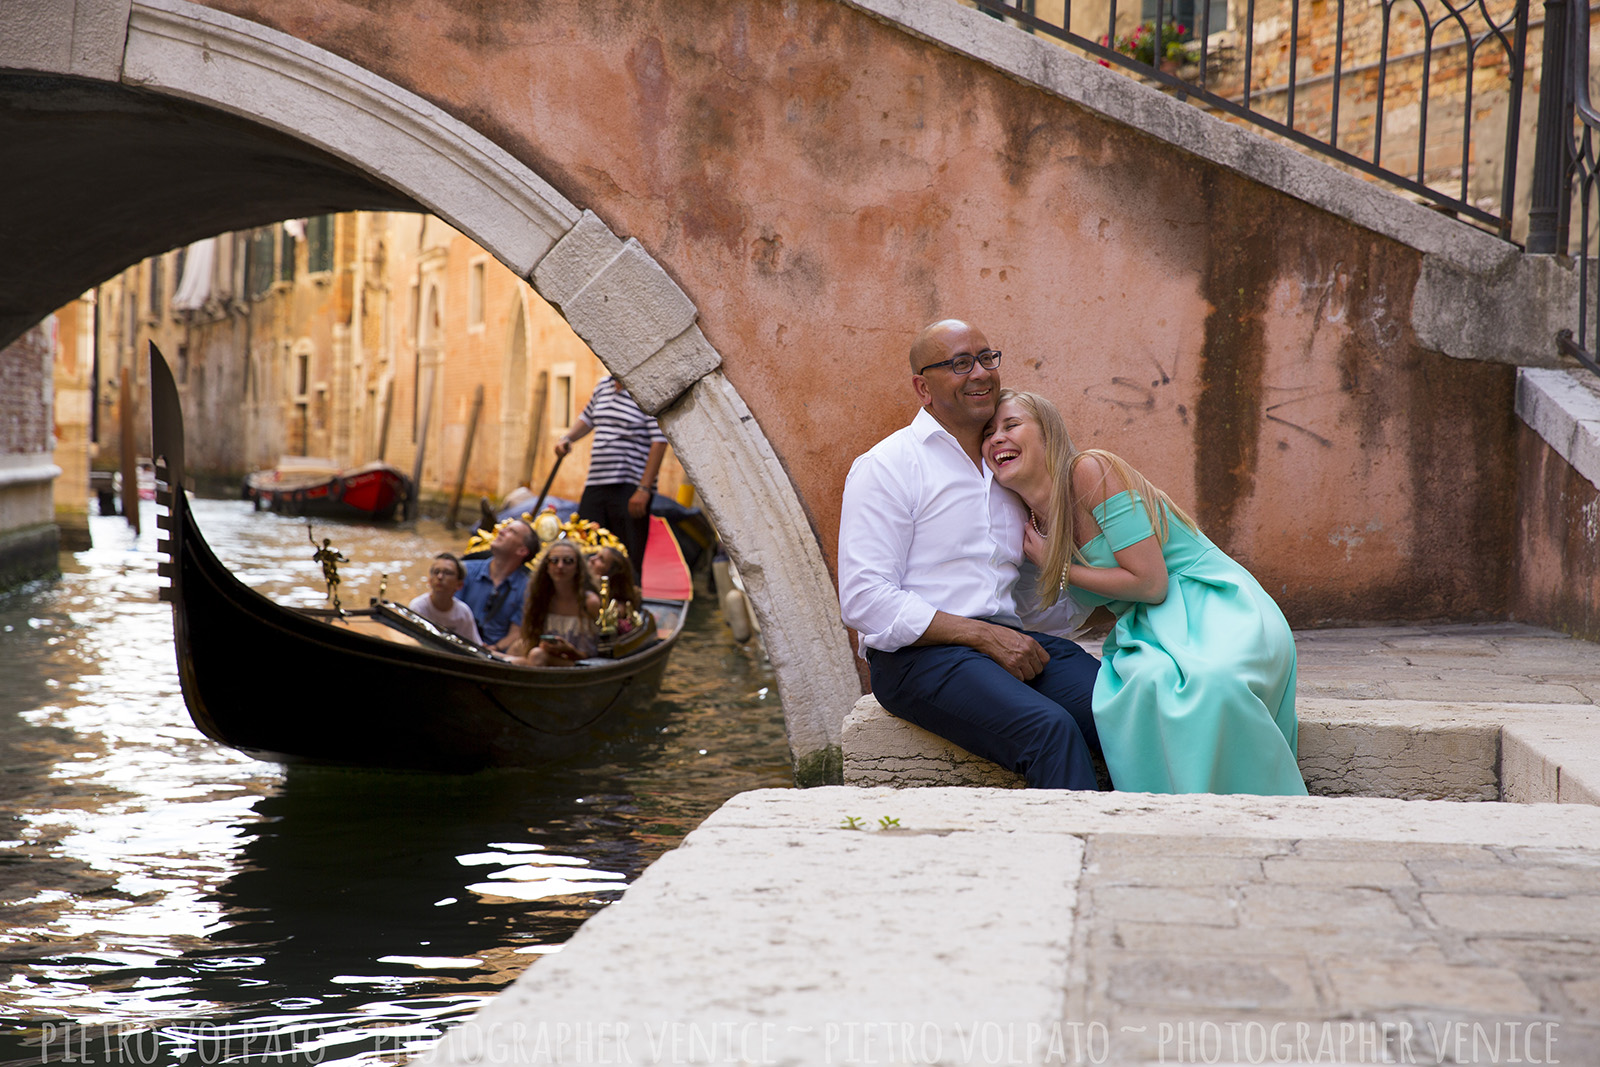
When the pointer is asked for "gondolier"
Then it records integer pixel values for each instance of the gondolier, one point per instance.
(627, 454)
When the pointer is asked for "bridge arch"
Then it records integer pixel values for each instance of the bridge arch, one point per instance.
(636, 319)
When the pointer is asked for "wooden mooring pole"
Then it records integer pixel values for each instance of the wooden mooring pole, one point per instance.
(130, 452)
(541, 401)
(466, 456)
(412, 501)
(388, 409)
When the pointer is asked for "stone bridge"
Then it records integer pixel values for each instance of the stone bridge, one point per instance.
(748, 209)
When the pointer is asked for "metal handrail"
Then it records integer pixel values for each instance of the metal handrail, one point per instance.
(1582, 168)
(1508, 33)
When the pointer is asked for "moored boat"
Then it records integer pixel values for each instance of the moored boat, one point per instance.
(317, 489)
(378, 686)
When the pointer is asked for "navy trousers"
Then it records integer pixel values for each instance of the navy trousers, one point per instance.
(1042, 728)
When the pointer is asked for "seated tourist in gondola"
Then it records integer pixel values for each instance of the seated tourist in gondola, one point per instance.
(495, 587)
(439, 604)
(612, 565)
(558, 619)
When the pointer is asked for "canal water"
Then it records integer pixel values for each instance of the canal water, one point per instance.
(164, 900)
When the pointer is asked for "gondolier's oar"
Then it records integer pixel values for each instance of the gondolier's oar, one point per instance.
(546, 490)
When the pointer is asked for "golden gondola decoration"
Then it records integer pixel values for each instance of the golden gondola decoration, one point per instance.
(588, 537)
(330, 558)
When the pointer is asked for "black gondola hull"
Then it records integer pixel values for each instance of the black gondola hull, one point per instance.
(285, 685)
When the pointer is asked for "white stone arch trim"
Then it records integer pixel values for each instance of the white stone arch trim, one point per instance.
(192, 52)
(612, 292)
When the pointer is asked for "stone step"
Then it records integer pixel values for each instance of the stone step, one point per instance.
(1528, 738)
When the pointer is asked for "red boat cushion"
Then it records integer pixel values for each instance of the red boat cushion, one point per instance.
(666, 575)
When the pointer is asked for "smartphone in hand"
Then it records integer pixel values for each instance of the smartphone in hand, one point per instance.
(556, 645)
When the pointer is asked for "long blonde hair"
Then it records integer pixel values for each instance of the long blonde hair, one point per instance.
(1061, 458)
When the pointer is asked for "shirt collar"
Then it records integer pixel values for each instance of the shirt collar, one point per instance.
(926, 428)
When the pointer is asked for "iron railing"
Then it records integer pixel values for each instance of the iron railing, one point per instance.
(1327, 89)
(1565, 157)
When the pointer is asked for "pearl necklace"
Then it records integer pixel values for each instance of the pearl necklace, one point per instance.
(1066, 570)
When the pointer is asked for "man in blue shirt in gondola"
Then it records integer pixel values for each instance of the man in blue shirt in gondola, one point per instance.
(494, 587)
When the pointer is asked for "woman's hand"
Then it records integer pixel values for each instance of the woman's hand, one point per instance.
(1033, 546)
(559, 647)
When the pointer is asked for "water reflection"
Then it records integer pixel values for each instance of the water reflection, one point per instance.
(188, 900)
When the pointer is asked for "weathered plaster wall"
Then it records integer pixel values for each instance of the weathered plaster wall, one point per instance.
(821, 184)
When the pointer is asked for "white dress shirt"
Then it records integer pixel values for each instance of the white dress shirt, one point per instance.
(925, 529)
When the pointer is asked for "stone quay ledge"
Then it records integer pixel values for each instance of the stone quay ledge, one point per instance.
(965, 926)
(978, 925)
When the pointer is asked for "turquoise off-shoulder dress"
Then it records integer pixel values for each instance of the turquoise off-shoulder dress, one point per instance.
(1195, 694)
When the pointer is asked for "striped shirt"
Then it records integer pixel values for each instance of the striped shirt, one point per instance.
(623, 435)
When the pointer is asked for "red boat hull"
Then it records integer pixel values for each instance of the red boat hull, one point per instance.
(375, 491)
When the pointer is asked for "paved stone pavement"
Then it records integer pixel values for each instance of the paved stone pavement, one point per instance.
(1492, 662)
(1356, 950)
(967, 926)
(980, 925)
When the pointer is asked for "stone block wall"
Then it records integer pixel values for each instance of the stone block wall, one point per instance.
(28, 534)
(25, 369)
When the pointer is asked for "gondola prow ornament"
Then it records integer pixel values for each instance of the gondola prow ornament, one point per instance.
(330, 558)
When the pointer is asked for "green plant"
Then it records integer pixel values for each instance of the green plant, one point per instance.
(1140, 43)
(851, 823)
(885, 823)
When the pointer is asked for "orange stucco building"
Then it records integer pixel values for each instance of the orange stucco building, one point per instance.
(353, 337)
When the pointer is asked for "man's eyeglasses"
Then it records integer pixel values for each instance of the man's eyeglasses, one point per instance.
(988, 359)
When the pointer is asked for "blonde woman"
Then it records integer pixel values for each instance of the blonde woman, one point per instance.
(1196, 686)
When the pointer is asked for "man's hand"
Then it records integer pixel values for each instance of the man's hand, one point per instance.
(563, 446)
(639, 503)
(1019, 654)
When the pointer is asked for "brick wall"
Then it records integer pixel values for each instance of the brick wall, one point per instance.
(25, 370)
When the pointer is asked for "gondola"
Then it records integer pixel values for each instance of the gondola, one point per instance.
(375, 687)
(374, 491)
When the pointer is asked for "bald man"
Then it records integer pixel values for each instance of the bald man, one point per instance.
(933, 578)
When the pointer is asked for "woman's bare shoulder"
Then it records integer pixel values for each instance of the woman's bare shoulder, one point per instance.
(1091, 478)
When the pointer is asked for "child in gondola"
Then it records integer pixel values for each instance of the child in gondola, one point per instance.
(439, 604)
(558, 621)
